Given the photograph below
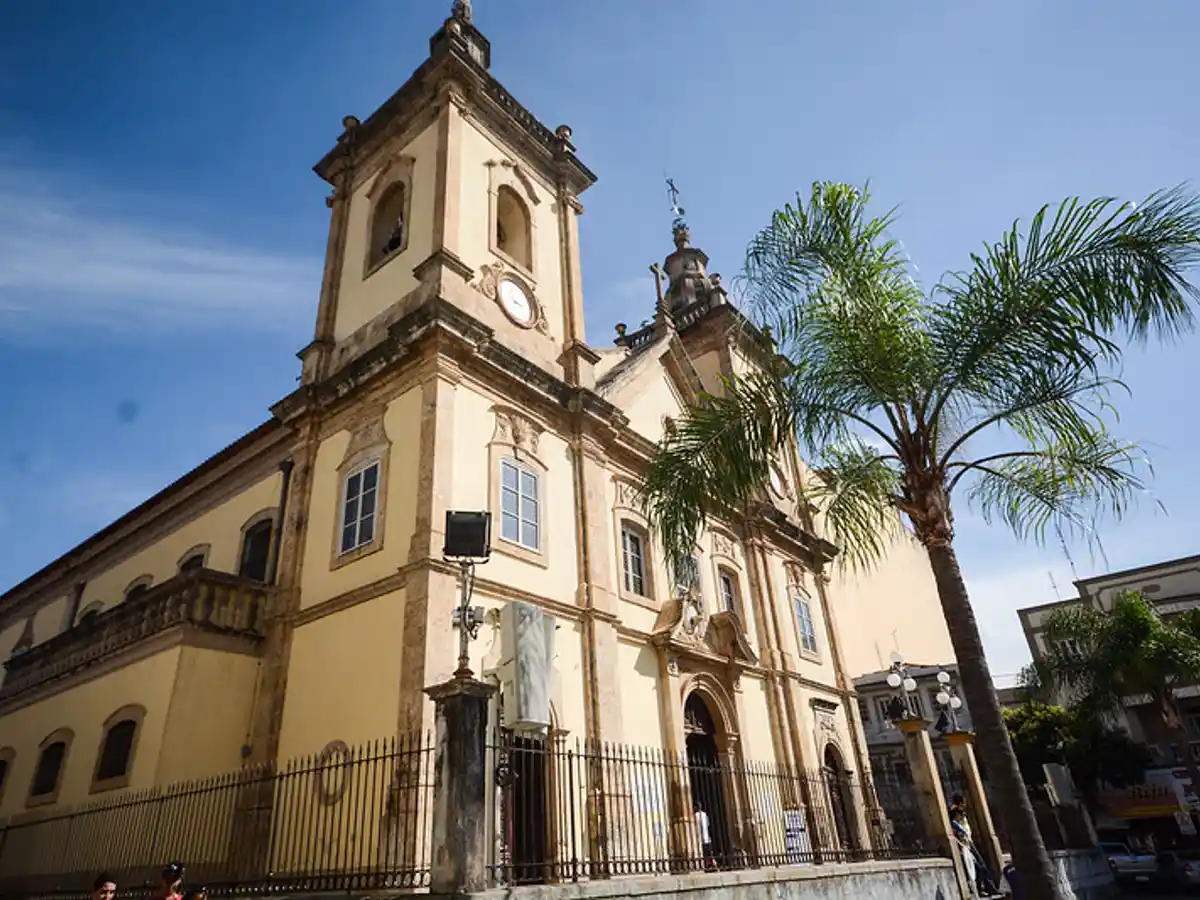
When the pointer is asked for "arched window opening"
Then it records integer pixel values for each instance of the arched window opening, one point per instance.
(388, 228)
(513, 236)
(116, 751)
(256, 550)
(49, 771)
(138, 588)
(192, 563)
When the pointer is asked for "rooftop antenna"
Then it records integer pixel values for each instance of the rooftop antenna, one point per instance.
(1067, 553)
(1054, 584)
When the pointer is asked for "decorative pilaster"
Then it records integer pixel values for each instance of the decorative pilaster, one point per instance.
(926, 781)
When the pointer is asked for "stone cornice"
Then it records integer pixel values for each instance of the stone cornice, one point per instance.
(484, 96)
(263, 444)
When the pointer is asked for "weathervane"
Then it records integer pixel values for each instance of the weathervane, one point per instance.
(462, 10)
(677, 211)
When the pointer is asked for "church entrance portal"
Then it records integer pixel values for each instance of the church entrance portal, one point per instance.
(838, 788)
(707, 777)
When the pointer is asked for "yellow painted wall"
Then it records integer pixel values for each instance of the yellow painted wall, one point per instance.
(755, 725)
(48, 621)
(891, 606)
(344, 677)
(84, 709)
(221, 527)
(209, 718)
(319, 580)
(361, 301)
(652, 396)
(640, 713)
(474, 425)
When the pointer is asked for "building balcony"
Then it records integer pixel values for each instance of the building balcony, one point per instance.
(200, 601)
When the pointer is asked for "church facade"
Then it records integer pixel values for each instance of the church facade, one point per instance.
(290, 594)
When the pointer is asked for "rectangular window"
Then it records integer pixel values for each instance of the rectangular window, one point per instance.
(881, 709)
(634, 561)
(864, 713)
(520, 517)
(358, 512)
(729, 591)
(808, 634)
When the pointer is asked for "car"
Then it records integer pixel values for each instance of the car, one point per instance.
(1130, 867)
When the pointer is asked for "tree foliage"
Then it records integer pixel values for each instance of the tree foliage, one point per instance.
(888, 388)
(1094, 751)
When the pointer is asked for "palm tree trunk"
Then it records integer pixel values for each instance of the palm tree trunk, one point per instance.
(1038, 880)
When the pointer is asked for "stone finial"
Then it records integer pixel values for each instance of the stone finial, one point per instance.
(349, 123)
(621, 329)
(461, 10)
(715, 278)
(563, 132)
(682, 234)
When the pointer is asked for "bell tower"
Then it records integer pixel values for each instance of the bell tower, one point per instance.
(451, 190)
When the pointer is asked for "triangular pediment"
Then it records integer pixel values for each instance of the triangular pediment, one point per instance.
(653, 385)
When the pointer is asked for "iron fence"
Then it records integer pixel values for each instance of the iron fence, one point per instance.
(344, 819)
(567, 812)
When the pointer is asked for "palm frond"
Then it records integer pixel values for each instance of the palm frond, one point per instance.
(856, 494)
(717, 461)
(1069, 484)
(1080, 275)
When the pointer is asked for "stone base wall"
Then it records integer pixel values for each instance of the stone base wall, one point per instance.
(920, 879)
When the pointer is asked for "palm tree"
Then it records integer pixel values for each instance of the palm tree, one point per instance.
(888, 391)
(1096, 659)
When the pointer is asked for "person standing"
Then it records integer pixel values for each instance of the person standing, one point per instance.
(170, 885)
(706, 845)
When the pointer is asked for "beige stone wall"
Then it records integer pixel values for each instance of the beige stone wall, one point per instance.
(364, 294)
(892, 606)
(327, 573)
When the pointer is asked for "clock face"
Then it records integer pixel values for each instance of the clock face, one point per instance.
(515, 302)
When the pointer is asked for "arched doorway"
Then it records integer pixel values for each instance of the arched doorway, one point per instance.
(707, 777)
(837, 786)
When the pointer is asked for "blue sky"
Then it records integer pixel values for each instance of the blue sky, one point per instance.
(161, 230)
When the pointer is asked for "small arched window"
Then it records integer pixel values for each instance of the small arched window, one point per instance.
(139, 587)
(47, 775)
(114, 761)
(513, 232)
(389, 231)
(90, 612)
(256, 550)
(192, 563)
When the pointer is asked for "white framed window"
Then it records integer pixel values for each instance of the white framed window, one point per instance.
(633, 560)
(804, 622)
(360, 507)
(520, 513)
(729, 590)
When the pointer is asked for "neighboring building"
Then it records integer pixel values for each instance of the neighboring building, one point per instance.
(885, 742)
(1174, 587)
(289, 597)
(1011, 697)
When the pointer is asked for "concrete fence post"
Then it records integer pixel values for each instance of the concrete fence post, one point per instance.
(459, 863)
(962, 751)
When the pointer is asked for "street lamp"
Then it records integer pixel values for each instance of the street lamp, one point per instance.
(898, 678)
(468, 541)
(948, 698)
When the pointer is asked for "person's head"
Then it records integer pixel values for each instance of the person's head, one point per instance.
(172, 876)
(104, 887)
(956, 813)
(957, 800)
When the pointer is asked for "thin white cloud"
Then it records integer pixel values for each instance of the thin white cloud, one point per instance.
(69, 257)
